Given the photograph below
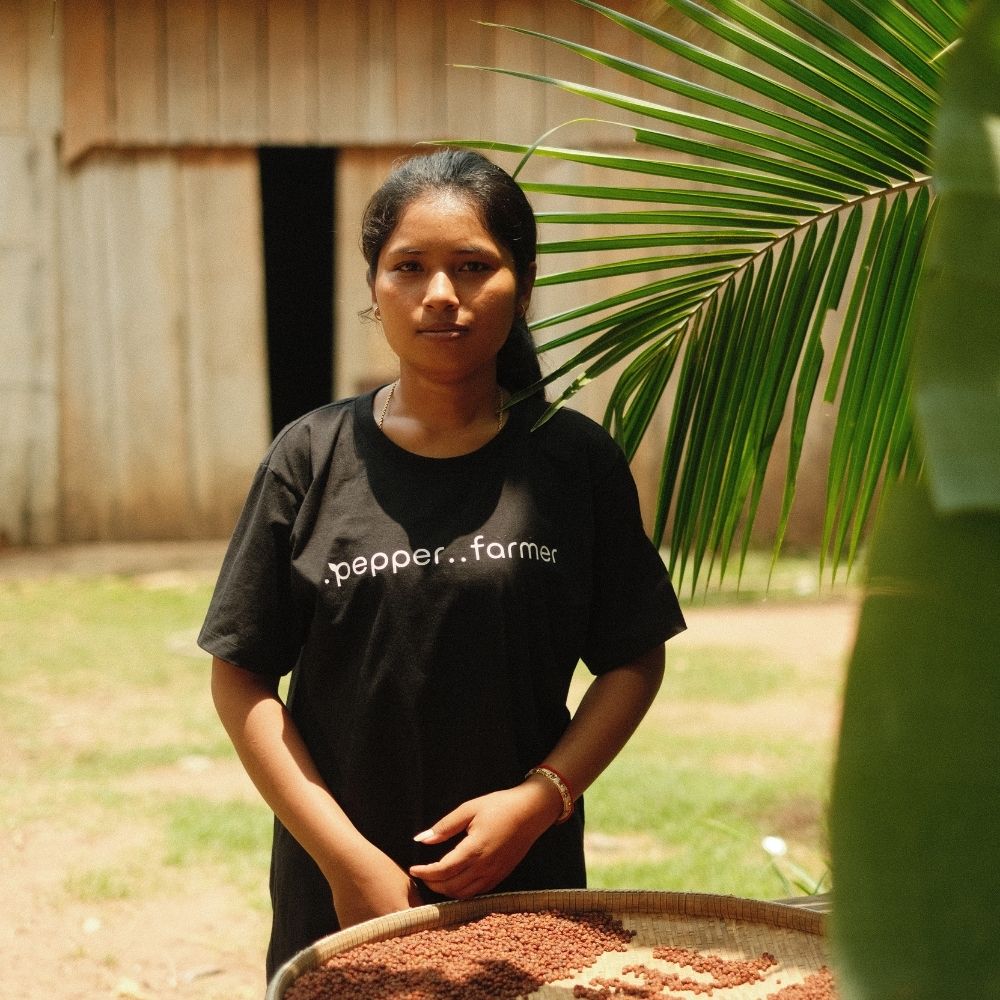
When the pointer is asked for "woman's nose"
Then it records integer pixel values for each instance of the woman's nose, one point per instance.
(440, 291)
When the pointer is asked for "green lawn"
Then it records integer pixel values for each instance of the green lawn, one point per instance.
(107, 721)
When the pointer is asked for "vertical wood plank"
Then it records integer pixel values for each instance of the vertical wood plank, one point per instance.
(16, 217)
(471, 96)
(42, 466)
(123, 444)
(25, 389)
(312, 109)
(611, 37)
(241, 71)
(519, 105)
(88, 76)
(220, 246)
(421, 93)
(342, 33)
(140, 72)
(151, 330)
(191, 85)
(292, 71)
(87, 430)
(577, 24)
(45, 37)
(13, 66)
(378, 63)
(29, 469)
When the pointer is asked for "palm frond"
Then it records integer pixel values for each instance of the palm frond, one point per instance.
(787, 180)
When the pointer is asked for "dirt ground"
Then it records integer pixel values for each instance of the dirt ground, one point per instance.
(201, 941)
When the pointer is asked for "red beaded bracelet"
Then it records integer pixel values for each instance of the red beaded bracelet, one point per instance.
(561, 784)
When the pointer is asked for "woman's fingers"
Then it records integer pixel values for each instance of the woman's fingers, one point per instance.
(462, 889)
(456, 862)
(456, 822)
(458, 874)
(500, 828)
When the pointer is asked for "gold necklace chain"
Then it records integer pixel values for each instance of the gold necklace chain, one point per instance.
(501, 412)
(388, 399)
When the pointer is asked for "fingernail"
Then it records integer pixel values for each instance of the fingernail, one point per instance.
(421, 838)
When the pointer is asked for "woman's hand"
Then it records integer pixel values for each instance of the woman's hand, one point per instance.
(370, 885)
(499, 831)
(501, 827)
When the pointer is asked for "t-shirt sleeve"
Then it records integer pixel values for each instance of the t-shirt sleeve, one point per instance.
(634, 606)
(252, 619)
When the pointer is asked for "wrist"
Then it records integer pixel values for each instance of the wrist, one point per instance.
(543, 800)
(557, 784)
(348, 859)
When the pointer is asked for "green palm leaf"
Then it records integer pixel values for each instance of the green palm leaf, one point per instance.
(786, 178)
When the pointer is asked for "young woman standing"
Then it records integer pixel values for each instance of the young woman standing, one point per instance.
(431, 569)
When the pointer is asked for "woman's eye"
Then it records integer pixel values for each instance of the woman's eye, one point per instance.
(407, 265)
(477, 266)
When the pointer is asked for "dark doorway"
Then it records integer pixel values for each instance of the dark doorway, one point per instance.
(297, 195)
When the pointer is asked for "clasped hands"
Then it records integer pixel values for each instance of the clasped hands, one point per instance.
(499, 829)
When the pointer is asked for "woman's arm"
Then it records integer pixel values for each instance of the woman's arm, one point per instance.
(612, 708)
(364, 881)
(501, 827)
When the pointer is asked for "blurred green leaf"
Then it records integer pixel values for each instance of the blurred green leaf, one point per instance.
(915, 813)
(957, 370)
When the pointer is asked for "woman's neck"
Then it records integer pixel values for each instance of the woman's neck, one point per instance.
(440, 421)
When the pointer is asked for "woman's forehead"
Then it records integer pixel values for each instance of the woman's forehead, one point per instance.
(447, 205)
(441, 218)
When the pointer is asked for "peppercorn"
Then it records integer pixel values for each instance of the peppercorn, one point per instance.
(505, 956)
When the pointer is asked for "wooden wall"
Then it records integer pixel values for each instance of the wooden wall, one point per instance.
(143, 82)
(133, 382)
(164, 371)
(29, 336)
(324, 72)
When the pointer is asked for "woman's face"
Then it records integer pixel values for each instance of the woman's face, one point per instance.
(446, 291)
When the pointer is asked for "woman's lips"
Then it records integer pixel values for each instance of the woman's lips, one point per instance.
(444, 332)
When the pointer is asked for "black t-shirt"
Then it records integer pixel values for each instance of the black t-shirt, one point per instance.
(433, 612)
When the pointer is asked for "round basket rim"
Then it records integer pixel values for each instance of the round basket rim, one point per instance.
(630, 901)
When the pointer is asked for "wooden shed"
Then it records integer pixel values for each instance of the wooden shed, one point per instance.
(180, 186)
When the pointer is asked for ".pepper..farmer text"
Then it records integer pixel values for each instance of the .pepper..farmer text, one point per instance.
(378, 562)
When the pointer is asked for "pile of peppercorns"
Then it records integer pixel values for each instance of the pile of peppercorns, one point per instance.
(499, 957)
(818, 986)
(503, 956)
(724, 973)
(656, 984)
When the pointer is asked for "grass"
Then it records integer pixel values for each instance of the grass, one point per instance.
(110, 738)
(106, 705)
(703, 820)
(101, 885)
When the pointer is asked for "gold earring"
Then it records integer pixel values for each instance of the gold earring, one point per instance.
(377, 313)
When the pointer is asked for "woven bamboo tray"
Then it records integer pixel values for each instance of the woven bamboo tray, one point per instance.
(727, 926)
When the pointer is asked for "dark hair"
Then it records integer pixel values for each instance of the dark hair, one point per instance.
(504, 211)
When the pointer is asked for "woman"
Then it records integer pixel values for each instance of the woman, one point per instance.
(431, 569)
